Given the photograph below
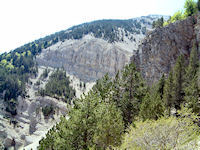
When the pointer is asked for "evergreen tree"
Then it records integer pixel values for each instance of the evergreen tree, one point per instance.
(192, 68)
(109, 126)
(192, 96)
(161, 85)
(93, 123)
(134, 90)
(179, 78)
(152, 106)
(168, 93)
(198, 5)
(192, 89)
(103, 87)
(117, 90)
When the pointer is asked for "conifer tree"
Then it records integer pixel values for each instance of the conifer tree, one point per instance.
(198, 5)
(192, 96)
(152, 106)
(179, 78)
(109, 126)
(161, 84)
(116, 90)
(192, 68)
(134, 90)
(103, 87)
(192, 89)
(168, 93)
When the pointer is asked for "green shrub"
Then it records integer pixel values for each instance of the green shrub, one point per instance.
(165, 133)
(47, 110)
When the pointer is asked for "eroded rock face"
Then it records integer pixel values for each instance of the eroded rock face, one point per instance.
(158, 52)
(31, 124)
(88, 58)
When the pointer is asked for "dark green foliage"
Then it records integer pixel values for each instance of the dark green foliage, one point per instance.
(98, 119)
(161, 85)
(133, 91)
(14, 72)
(158, 23)
(198, 5)
(105, 29)
(58, 86)
(192, 68)
(192, 95)
(179, 79)
(47, 110)
(93, 123)
(103, 87)
(168, 93)
(190, 7)
(152, 106)
(191, 85)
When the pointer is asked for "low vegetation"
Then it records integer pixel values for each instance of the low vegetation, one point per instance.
(164, 133)
(58, 86)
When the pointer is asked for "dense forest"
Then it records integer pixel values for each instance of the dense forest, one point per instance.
(118, 113)
(18, 65)
(126, 113)
(107, 116)
(58, 86)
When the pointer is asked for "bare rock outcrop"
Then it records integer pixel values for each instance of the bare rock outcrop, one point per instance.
(158, 52)
(88, 58)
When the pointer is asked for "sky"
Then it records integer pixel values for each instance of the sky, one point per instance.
(23, 21)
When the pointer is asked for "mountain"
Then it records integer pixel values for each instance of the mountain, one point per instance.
(90, 50)
(86, 52)
(158, 52)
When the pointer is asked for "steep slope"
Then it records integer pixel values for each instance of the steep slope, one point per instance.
(86, 51)
(158, 51)
(90, 50)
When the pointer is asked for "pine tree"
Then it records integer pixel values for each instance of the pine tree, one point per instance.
(109, 126)
(192, 89)
(192, 68)
(152, 106)
(198, 5)
(103, 87)
(179, 78)
(161, 84)
(168, 93)
(134, 90)
(192, 96)
(116, 90)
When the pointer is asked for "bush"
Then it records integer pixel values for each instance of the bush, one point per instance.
(165, 133)
(47, 110)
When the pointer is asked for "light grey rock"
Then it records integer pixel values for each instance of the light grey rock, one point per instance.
(88, 58)
(158, 52)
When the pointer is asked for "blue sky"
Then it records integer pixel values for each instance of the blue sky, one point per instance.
(22, 21)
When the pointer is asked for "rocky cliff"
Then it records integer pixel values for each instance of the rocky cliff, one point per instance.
(87, 52)
(90, 50)
(158, 52)
(88, 58)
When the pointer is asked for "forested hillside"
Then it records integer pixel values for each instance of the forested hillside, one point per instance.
(126, 113)
(152, 103)
(100, 119)
(18, 65)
